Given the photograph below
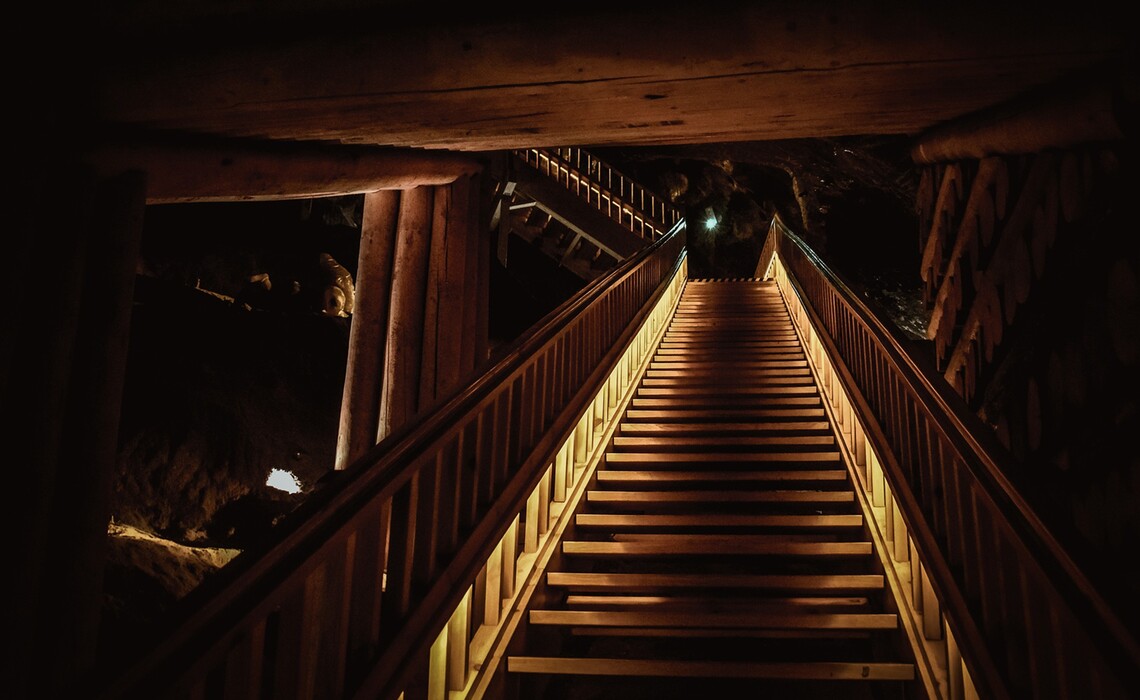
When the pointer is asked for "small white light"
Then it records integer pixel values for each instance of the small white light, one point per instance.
(710, 223)
(283, 480)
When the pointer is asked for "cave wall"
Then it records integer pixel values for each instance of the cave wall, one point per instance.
(1034, 288)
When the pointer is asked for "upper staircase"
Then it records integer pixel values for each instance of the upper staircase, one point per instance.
(720, 550)
(578, 212)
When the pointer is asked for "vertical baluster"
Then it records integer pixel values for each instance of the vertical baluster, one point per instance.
(431, 521)
(510, 559)
(244, 665)
(401, 547)
(458, 649)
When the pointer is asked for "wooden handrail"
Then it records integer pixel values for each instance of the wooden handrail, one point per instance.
(1027, 619)
(615, 195)
(363, 576)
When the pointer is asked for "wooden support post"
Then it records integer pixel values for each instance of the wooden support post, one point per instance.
(91, 445)
(403, 353)
(443, 320)
(63, 361)
(360, 405)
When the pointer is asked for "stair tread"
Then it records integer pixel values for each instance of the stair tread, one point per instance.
(826, 582)
(611, 475)
(705, 457)
(634, 520)
(727, 620)
(714, 427)
(563, 665)
(740, 547)
(720, 496)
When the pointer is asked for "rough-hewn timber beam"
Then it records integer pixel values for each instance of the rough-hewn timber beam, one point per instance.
(678, 73)
(1091, 109)
(229, 172)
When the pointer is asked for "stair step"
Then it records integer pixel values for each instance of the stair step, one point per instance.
(628, 668)
(708, 520)
(723, 414)
(715, 604)
(727, 403)
(666, 476)
(672, 441)
(714, 497)
(740, 545)
(713, 621)
(719, 457)
(715, 427)
(730, 392)
(747, 582)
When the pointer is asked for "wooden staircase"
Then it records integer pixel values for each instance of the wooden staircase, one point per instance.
(719, 551)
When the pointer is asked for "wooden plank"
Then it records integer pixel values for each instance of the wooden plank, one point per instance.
(792, 582)
(739, 545)
(671, 476)
(626, 521)
(790, 621)
(707, 457)
(771, 377)
(725, 414)
(643, 497)
(722, 427)
(665, 441)
(706, 603)
(672, 668)
(727, 403)
(735, 392)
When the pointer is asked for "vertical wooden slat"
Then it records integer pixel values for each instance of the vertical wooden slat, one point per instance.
(510, 551)
(458, 651)
(429, 525)
(244, 665)
(367, 586)
(493, 592)
(401, 547)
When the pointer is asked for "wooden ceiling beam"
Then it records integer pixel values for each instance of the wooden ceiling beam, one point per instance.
(685, 74)
(220, 171)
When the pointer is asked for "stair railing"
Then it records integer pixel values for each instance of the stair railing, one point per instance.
(368, 588)
(995, 600)
(601, 186)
